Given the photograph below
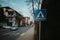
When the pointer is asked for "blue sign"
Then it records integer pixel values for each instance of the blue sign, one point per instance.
(40, 15)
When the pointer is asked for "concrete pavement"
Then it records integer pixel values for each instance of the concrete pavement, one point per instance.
(29, 35)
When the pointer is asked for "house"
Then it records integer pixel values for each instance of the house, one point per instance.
(10, 17)
(26, 21)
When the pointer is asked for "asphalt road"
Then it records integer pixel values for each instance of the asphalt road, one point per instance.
(7, 34)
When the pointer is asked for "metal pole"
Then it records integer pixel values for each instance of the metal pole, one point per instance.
(39, 29)
(40, 1)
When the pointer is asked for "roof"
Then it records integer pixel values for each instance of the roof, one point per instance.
(12, 9)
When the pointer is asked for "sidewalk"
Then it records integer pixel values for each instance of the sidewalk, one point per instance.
(29, 35)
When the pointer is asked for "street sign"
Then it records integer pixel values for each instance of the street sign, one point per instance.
(40, 15)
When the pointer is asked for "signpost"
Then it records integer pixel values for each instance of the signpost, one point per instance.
(40, 15)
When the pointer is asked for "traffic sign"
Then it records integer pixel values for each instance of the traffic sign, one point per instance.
(40, 15)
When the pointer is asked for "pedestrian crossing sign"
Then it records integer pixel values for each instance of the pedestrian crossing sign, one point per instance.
(40, 15)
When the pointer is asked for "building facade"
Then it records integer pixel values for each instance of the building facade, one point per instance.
(11, 17)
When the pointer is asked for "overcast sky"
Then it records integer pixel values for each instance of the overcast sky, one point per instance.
(18, 5)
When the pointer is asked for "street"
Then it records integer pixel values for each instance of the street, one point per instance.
(7, 34)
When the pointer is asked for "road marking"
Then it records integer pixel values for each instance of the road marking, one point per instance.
(22, 34)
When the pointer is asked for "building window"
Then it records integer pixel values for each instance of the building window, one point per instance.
(10, 19)
(10, 24)
(10, 13)
(6, 13)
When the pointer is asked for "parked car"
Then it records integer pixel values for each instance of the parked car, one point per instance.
(14, 28)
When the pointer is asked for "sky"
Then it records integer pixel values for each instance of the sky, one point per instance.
(18, 5)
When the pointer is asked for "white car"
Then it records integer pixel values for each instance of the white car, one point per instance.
(14, 28)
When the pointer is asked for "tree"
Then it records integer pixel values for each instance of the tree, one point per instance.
(33, 2)
(39, 4)
(29, 2)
